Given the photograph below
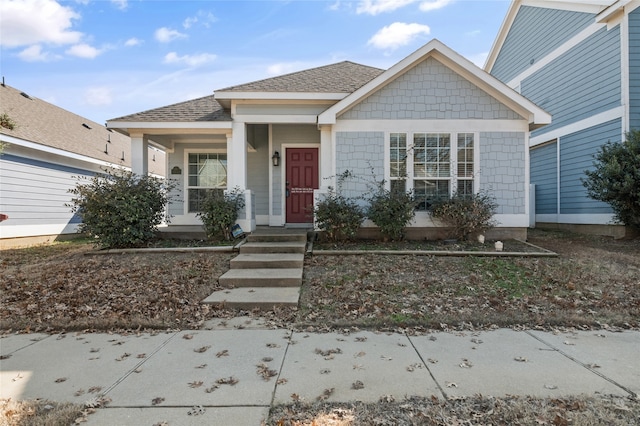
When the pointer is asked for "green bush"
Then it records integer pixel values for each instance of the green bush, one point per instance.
(120, 209)
(338, 216)
(616, 178)
(391, 211)
(220, 211)
(467, 215)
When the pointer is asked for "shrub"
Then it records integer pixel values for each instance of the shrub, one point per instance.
(391, 211)
(120, 209)
(220, 211)
(616, 178)
(468, 215)
(339, 216)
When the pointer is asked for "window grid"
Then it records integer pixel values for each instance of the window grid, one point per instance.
(465, 164)
(207, 172)
(431, 167)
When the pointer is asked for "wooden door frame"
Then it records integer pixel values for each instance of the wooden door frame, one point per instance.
(283, 172)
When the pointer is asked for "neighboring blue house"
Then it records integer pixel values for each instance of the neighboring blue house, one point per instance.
(433, 123)
(580, 61)
(42, 158)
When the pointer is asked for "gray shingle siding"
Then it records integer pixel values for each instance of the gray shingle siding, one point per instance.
(362, 153)
(583, 82)
(430, 90)
(535, 33)
(502, 162)
(258, 167)
(544, 174)
(576, 155)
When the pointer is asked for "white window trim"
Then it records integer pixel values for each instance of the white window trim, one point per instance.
(453, 158)
(185, 166)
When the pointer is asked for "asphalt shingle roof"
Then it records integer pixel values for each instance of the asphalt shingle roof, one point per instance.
(43, 123)
(201, 109)
(342, 77)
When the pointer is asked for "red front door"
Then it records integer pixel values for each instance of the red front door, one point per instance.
(301, 180)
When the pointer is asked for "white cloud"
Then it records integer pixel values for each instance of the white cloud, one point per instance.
(165, 35)
(397, 34)
(120, 4)
(190, 60)
(35, 54)
(83, 50)
(133, 42)
(27, 22)
(202, 17)
(374, 7)
(97, 96)
(429, 5)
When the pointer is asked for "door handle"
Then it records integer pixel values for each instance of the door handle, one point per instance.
(286, 193)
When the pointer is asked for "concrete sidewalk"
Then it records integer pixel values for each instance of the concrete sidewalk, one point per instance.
(231, 376)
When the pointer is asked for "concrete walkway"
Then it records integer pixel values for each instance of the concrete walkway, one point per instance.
(232, 373)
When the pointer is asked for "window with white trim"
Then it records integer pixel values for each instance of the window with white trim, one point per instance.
(434, 166)
(206, 172)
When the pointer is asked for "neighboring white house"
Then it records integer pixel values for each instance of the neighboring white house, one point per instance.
(44, 154)
(580, 61)
(434, 118)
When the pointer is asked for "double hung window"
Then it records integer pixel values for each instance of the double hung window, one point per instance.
(206, 172)
(433, 165)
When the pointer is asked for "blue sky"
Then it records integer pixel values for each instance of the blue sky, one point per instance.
(103, 59)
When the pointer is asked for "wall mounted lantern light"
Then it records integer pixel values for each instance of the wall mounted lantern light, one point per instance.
(276, 159)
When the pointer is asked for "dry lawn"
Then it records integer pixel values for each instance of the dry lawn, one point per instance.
(594, 283)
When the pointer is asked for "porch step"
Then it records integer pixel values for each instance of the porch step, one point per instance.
(274, 247)
(262, 278)
(255, 297)
(267, 261)
(272, 237)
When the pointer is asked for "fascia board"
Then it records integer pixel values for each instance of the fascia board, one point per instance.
(169, 125)
(458, 64)
(502, 34)
(593, 7)
(329, 116)
(55, 151)
(222, 96)
(612, 11)
(494, 87)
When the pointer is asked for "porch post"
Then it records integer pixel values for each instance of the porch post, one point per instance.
(139, 154)
(237, 173)
(327, 177)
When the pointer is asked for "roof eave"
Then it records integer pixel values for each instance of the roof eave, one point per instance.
(122, 125)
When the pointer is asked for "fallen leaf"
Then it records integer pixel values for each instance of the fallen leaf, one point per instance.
(61, 379)
(360, 354)
(566, 342)
(325, 371)
(466, 363)
(281, 381)
(123, 356)
(195, 385)
(325, 395)
(157, 400)
(95, 389)
(357, 385)
(361, 339)
(222, 353)
(266, 372)
(187, 336)
(272, 345)
(267, 359)
(232, 381)
(520, 359)
(141, 356)
(196, 410)
(450, 384)
(202, 349)
(432, 361)
(551, 386)
(201, 366)
(386, 358)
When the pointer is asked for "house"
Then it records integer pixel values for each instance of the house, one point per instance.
(580, 61)
(42, 158)
(433, 123)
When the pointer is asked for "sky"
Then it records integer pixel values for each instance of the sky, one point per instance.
(104, 59)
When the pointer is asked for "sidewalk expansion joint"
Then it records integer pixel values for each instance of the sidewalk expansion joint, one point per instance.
(426, 365)
(138, 365)
(597, 373)
(284, 358)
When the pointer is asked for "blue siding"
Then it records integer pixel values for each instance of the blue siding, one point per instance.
(34, 192)
(576, 156)
(258, 167)
(634, 69)
(535, 33)
(544, 174)
(583, 82)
